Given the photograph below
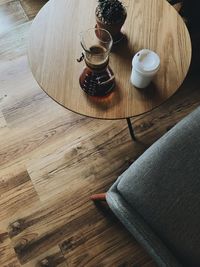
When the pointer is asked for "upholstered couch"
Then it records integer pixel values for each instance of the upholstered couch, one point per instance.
(158, 197)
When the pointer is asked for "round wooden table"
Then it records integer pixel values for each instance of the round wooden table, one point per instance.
(54, 47)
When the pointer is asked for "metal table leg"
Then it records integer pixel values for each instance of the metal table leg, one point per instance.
(131, 129)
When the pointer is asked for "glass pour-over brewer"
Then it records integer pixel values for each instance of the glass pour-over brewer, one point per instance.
(97, 79)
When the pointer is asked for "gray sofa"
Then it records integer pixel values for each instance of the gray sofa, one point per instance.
(158, 197)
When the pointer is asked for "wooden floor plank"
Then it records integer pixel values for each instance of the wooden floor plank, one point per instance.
(32, 7)
(160, 120)
(17, 193)
(51, 258)
(104, 243)
(78, 163)
(44, 229)
(2, 121)
(8, 257)
(2, 2)
(14, 42)
(11, 15)
(80, 231)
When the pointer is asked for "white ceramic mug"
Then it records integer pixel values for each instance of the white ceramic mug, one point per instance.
(145, 65)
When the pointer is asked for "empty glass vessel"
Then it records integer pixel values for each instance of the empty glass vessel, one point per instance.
(97, 79)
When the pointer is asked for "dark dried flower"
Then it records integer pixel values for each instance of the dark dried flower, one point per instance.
(110, 11)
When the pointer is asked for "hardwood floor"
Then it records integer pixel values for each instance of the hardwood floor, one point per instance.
(51, 160)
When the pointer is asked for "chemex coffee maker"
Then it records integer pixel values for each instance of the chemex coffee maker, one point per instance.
(97, 78)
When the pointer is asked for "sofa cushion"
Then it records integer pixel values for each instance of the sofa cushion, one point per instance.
(162, 189)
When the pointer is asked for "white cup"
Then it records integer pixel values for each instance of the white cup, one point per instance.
(145, 65)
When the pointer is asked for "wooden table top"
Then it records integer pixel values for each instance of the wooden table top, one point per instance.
(54, 46)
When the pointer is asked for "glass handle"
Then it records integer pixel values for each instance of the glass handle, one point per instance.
(81, 58)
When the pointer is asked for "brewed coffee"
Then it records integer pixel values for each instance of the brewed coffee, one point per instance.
(97, 83)
(97, 79)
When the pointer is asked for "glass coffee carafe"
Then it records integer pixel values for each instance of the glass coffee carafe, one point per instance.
(97, 78)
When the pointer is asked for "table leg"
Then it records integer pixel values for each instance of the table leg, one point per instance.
(130, 126)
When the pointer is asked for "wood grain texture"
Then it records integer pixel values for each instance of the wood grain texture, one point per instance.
(98, 245)
(2, 121)
(8, 256)
(14, 42)
(49, 258)
(31, 7)
(85, 235)
(54, 46)
(16, 189)
(52, 160)
(11, 15)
